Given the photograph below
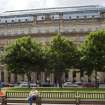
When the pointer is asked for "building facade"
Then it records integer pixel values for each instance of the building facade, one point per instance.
(72, 22)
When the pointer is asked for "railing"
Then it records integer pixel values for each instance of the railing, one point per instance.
(58, 97)
(92, 95)
(17, 94)
(61, 94)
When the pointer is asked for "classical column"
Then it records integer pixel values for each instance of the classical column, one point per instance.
(77, 75)
(12, 77)
(63, 77)
(93, 76)
(42, 76)
(85, 77)
(51, 78)
(20, 78)
(101, 76)
(5, 75)
(34, 76)
(70, 75)
(25, 78)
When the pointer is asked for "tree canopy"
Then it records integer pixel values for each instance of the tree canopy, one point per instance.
(23, 56)
(93, 52)
(63, 54)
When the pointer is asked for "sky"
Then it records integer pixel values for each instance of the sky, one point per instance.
(9, 5)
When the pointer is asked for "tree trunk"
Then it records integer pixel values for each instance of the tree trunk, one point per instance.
(89, 78)
(59, 78)
(29, 79)
(96, 79)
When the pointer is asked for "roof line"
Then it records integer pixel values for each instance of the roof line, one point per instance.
(53, 8)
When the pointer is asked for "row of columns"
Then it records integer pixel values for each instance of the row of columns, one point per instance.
(4, 77)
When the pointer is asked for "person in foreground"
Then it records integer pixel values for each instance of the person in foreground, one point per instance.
(32, 96)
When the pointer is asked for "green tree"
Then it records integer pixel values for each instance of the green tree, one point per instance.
(62, 55)
(93, 52)
(86, 67)
(23, 56)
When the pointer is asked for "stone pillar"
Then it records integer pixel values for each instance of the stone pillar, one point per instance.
(63, 77)
(101, 76)
(5, 75)
(85, 78)
(19, 78)
(93, 76)
(35, 76)
(51, 78)
(77, 75)
(70, 75)
(25, 78)
(42, 76)
(12, 77)
(32, 76)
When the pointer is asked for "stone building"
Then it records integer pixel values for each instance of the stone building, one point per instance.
(72, 22)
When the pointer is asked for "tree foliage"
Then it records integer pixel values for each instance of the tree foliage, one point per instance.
(93, 52)
(62, 55)
(23, 56)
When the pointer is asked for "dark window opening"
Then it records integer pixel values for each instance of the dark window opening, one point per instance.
(26, 20)
(9, 77)
(52, 17)
(2, 76)
(42, 18)
(19, 20)
(77, 17)
(85, 17)
(5, 21)
(74, 76)
(69, 17)
(15, 78)
(12, 21)
(66, 76)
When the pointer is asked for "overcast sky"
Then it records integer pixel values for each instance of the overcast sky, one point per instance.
(6, 5)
